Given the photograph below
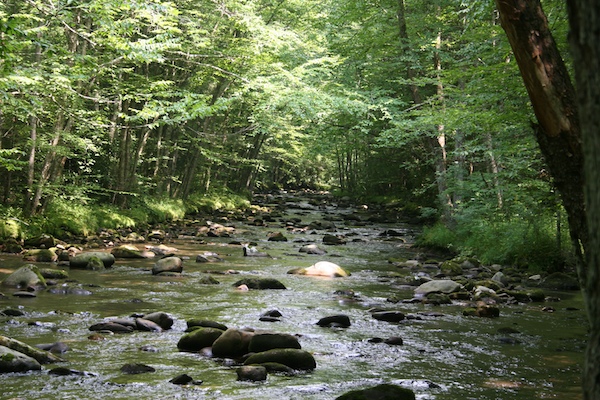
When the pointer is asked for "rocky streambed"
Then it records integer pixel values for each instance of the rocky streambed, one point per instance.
(304, 297)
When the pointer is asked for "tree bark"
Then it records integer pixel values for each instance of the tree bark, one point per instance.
(553, 99)
(584, 17)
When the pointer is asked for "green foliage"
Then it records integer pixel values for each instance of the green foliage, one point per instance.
(216, 200)
(525, 244)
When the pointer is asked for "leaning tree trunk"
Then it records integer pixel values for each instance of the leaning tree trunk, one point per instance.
(553, 99)
(584, 16)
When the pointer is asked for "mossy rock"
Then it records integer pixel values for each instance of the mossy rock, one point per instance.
(95, 264)
(537, 295)
(127, 251)
(470, 312)
(489, 283)
(560, 281)
(520, 296)
(50, 273)
(198, 339)
(81, 260)
(384, 391)
(451, 268)
(232, 343)
(26, 276)
(41, 255)
(437, 299)
(203, 323)
(260, 283)
(268, 341)
(293, 358)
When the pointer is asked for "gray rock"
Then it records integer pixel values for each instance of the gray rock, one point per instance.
(14, 361)
(81, 260)
(168, 264)
(438, 286)
(24, 277)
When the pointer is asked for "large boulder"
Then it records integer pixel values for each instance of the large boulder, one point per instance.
(293, 358)
(14, 361)
(81, 260)
(232, 343)
(198, 339)
(384, 391)
(168, 265)
(438, 286)
(322, 268)
(27, 276)
(268, 341)
(203, 323)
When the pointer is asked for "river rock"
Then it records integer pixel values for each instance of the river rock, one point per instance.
(312, 249)
(129, 251)
(333, 240)
(162, 319)
(254, 373)
(260, 283)
(389, 316)
(41, 356)
(198, 339)
(267, 341)
(41, 255)
(277, 237)
(26, 276)
(560, 281)
(384, 391)
(94, 264)
(168, 264)
(50, 273)
(253, 252)
(162, 250)
(11, 245)
(56, 348)
(111, 326)
(43, 241)
(202, 323)
(81, 260)
(293, 358)
(143, 324)
(322, 268)
(500, 278)
(136, 368)
(438, 286)
(14, 361)
(233, 343)
(335, 321)
(184, 379)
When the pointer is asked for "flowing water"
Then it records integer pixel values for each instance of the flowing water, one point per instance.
(444, 356)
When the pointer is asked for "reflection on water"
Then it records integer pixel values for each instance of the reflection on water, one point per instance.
(444, 356)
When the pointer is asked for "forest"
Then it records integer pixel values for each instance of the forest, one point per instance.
(116, 113)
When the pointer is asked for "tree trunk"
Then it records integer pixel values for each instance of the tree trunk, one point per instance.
(553, 99)
(584, 16)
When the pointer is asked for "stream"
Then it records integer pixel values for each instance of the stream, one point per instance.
(444, 354)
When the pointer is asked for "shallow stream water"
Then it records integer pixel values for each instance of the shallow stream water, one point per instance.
(444, 356)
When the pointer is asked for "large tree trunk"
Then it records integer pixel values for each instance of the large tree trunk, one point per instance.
(584, 16)
(553, 98)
